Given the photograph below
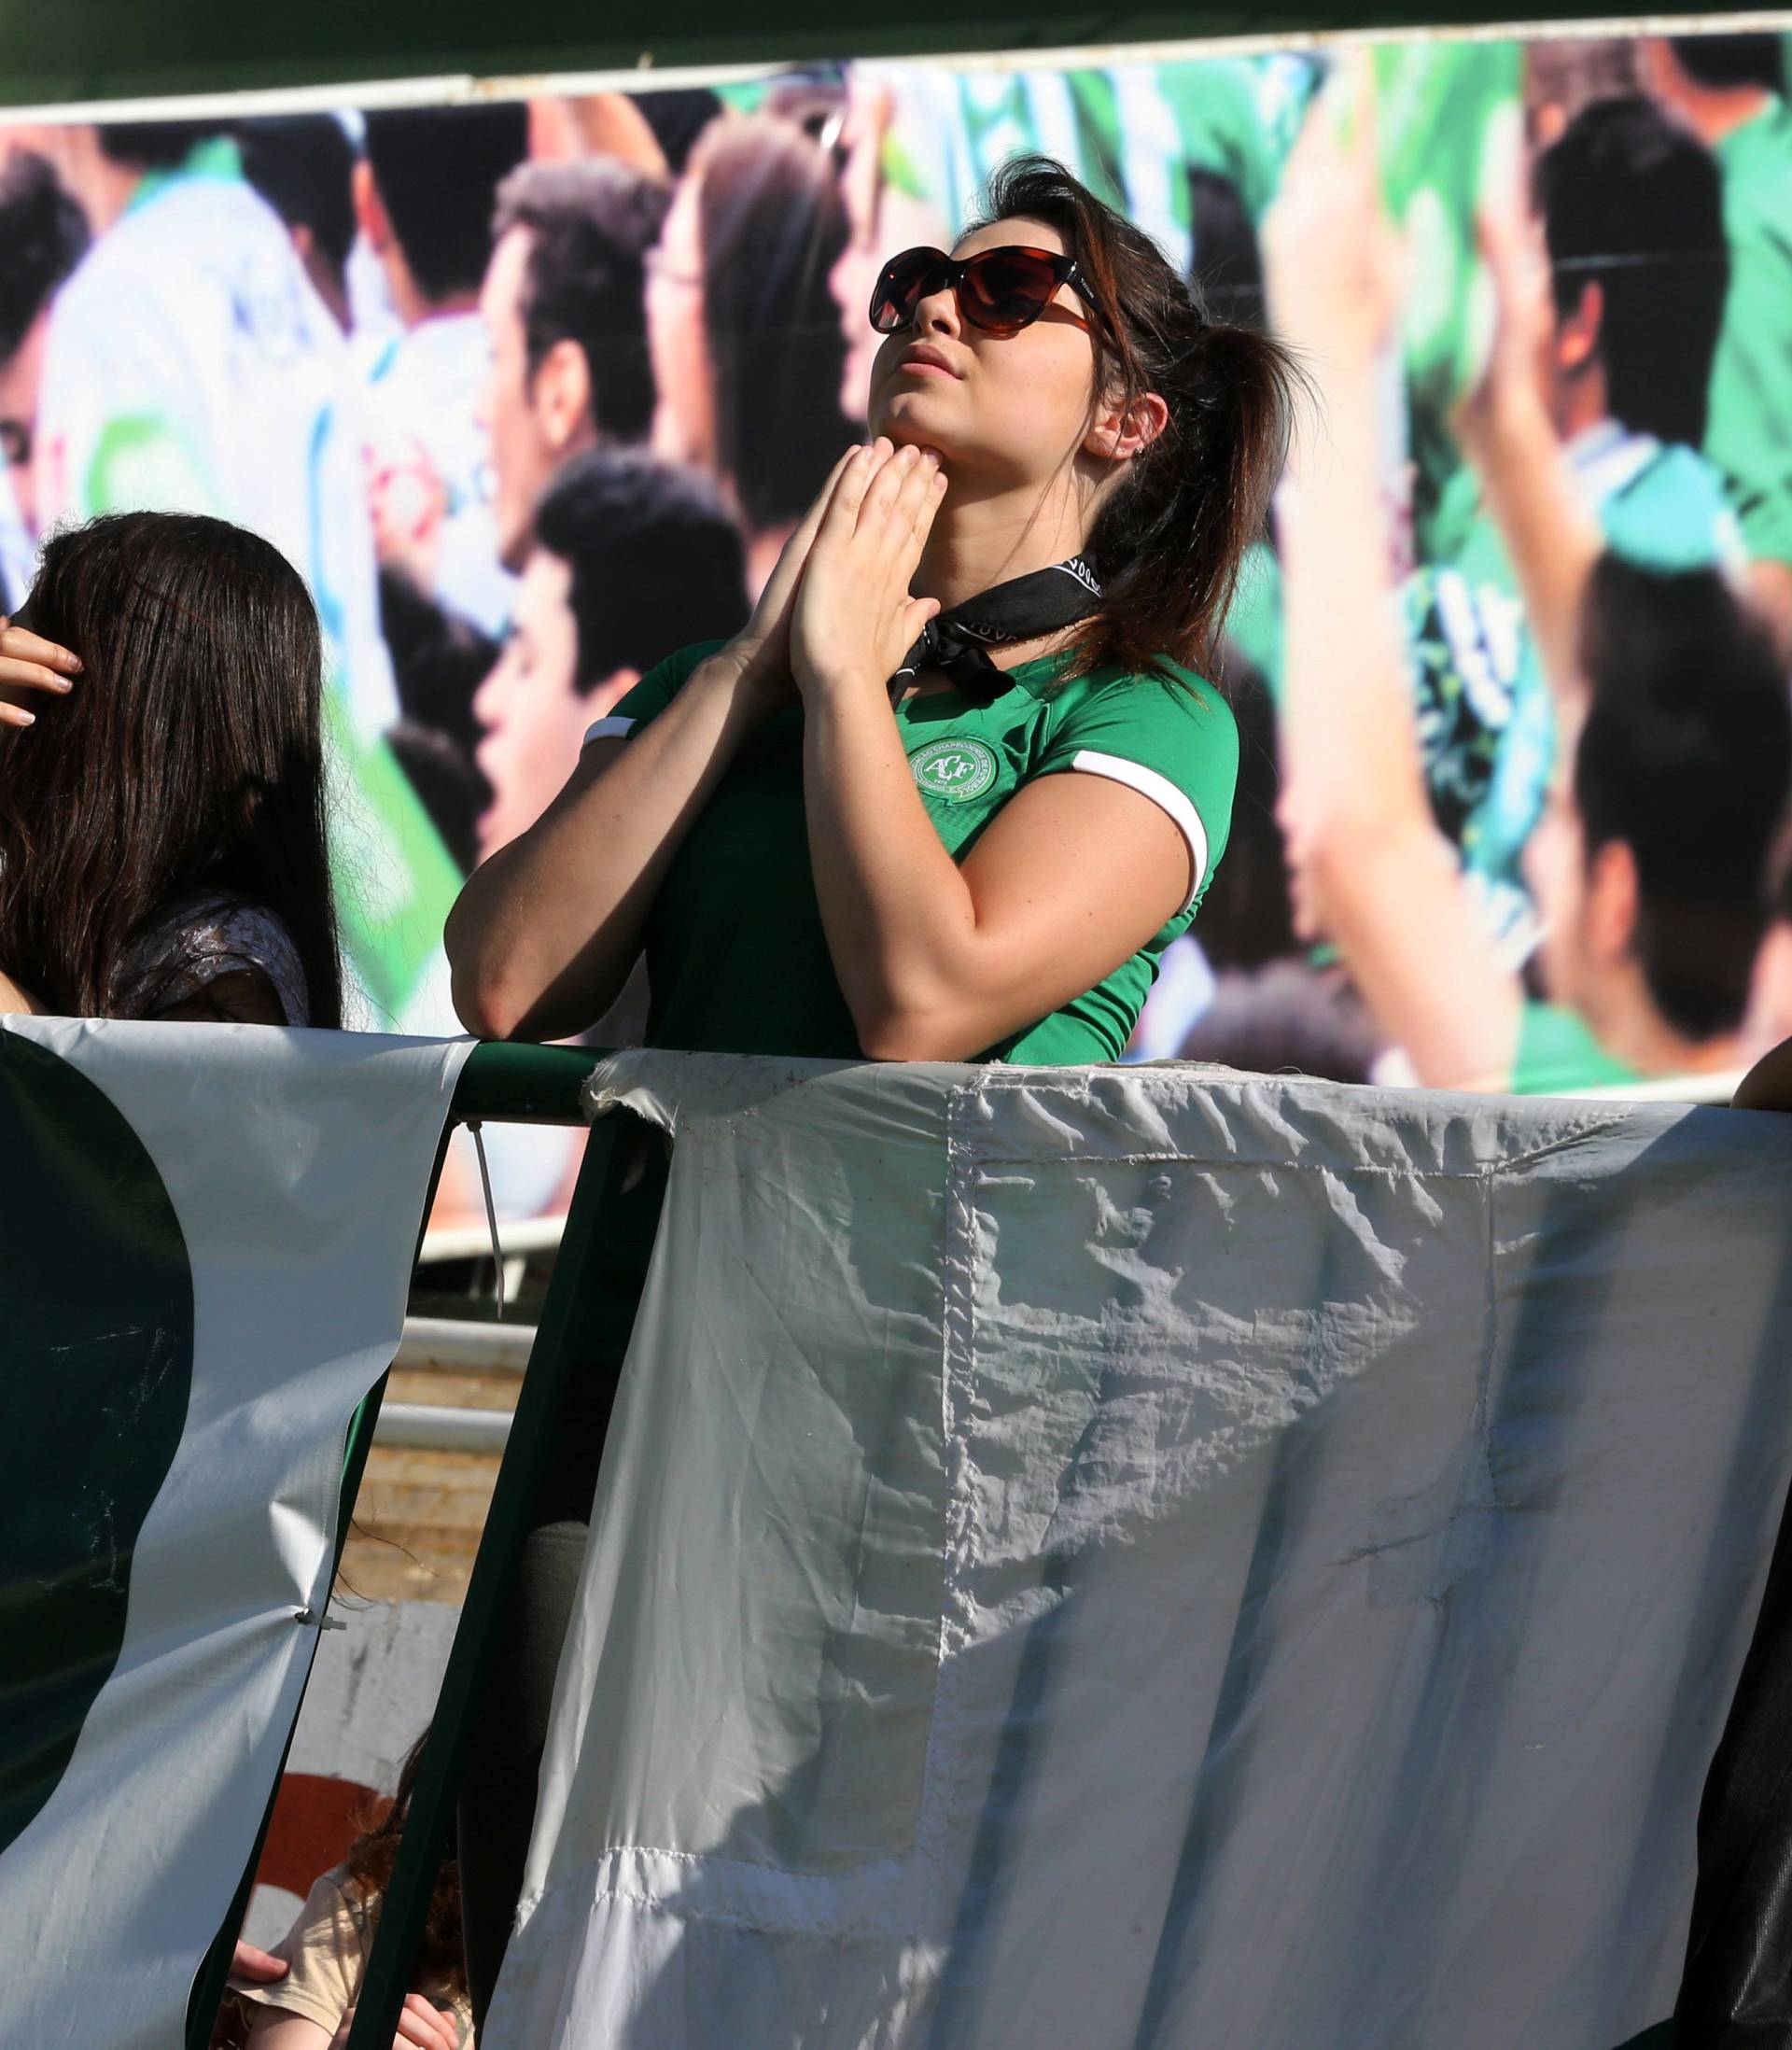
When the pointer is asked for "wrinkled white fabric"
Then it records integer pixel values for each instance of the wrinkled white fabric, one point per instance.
(1107, 1559)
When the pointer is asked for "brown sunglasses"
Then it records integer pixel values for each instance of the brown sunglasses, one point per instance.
(999, 291)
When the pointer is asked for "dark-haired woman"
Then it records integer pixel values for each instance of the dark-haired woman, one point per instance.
(162, 841)
(959, 781)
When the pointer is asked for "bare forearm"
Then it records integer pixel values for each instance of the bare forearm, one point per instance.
(545, 934)
(900, 921)
(1551, 537)
(1399, 910)
(1372, 867)
(1349, 751)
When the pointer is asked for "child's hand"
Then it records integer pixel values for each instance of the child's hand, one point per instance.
(421, 2027)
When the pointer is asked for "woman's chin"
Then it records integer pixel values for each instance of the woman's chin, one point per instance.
(904, 424)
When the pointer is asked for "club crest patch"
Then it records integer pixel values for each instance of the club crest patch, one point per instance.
(956, 770)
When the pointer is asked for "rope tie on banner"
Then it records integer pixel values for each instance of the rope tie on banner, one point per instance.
(475, 1127)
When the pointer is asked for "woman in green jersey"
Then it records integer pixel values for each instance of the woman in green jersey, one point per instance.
(948, 796)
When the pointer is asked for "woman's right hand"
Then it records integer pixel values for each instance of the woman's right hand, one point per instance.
(29, 662)
(761, 652)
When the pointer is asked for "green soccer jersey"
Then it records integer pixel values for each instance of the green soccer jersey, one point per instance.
(737, 961)
(1748, 434)
(1557, 1055)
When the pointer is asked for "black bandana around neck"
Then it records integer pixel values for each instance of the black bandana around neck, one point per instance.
(1022, 609)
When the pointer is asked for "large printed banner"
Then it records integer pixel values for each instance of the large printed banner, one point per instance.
(415, 345)
(1148, 1558)
(208, 1233)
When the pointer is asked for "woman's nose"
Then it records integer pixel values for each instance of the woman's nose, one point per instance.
(938, 313)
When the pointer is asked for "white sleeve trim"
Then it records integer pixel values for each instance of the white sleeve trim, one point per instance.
(1162, 793)
(611, 728)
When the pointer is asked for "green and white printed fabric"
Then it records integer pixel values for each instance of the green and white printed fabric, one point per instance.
(1485, 717)
(1130, 132)
(208, 1232)
(1158, 1557)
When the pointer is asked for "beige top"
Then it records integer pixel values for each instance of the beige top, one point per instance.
(328, 1947)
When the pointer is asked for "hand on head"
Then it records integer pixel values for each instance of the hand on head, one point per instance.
(31, 665)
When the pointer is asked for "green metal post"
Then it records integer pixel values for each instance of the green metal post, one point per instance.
(563, 1338)
(524, 1084)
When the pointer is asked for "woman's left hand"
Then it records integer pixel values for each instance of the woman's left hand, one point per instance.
(29, 663)
(853, 620)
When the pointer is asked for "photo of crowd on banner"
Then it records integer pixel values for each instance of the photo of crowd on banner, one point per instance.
(533, 392)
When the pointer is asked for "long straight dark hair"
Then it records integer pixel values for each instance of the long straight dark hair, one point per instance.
(188, 758)
(1169, 541)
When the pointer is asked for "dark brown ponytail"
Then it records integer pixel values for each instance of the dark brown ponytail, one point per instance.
(1170, 540)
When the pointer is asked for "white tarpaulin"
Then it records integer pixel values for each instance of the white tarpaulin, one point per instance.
(1100, 1560)
(208, 1232)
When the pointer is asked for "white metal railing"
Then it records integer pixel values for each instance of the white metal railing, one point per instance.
(453, 1345)
(432, 1426)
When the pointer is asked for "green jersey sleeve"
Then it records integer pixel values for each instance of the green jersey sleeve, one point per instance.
(651, 694)
(1174, 741)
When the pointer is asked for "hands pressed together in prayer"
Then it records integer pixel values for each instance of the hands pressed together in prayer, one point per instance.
(837, 609)
(854, 620)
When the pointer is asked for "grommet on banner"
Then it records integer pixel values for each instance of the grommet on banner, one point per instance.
(317, 1621)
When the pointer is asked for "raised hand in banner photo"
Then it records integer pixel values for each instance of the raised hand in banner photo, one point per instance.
(1510, 240)
(1335, 265)
(853, 620)
(1551, 534)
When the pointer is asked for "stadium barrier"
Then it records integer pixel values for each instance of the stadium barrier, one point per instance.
(547, 1082)
(1683, 1208)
